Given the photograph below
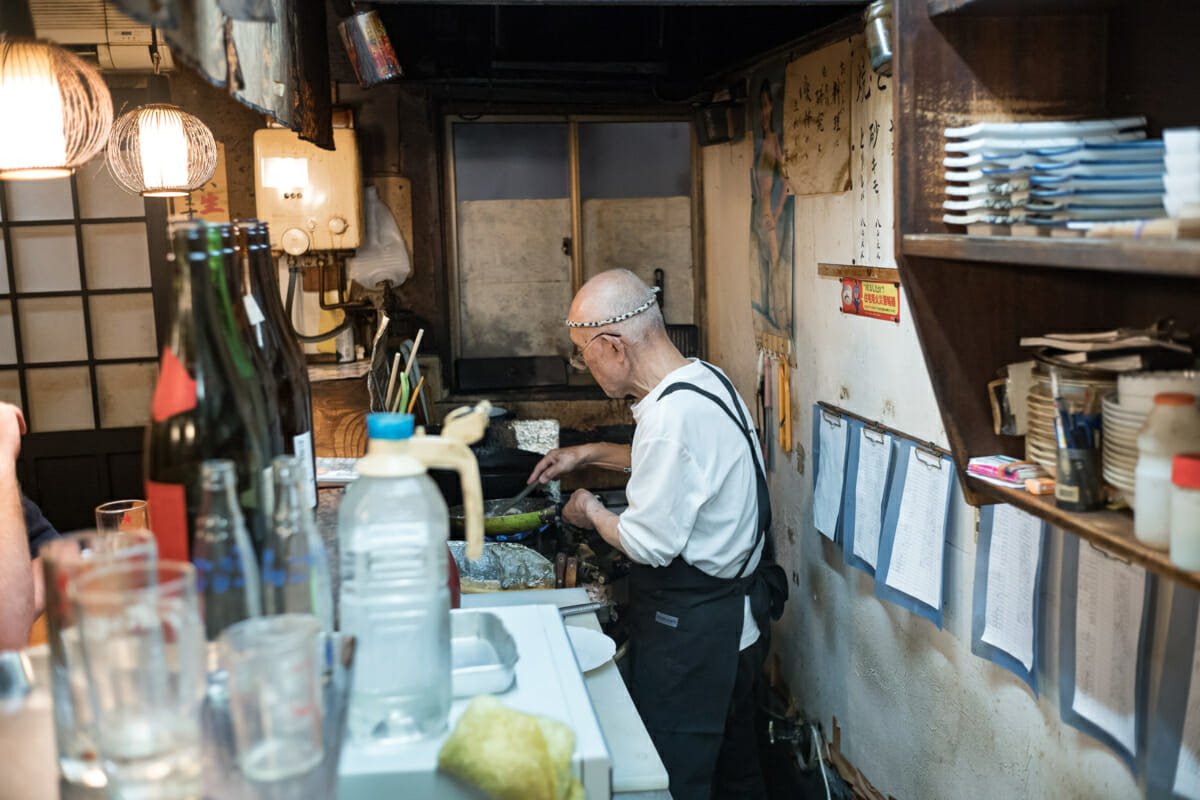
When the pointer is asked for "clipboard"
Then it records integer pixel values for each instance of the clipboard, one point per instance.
(1069, 595)
(850, 494)
(908, 451)
(986, 650)
(1166, 734)
(820, 416)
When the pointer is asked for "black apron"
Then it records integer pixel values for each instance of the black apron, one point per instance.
(685, 632)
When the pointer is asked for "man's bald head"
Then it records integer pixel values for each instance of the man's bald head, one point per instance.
(616, 292)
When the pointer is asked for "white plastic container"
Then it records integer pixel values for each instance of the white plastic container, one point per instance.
(1172, 427)
(1185, 511)
(393, 526)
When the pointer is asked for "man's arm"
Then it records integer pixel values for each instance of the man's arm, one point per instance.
(584, 510)
(568, 459)
(17, 600)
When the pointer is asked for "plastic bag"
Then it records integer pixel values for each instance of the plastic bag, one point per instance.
(383, 255)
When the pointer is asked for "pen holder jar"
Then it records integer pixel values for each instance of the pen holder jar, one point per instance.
(1077, 483)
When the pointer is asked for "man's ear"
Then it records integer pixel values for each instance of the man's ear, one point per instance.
(618, 346)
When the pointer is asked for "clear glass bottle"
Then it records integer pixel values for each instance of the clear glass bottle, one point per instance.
(226, 569)
(295, 569)
(393, 526)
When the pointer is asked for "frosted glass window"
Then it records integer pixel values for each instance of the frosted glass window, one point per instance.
(100, 196)
(116, 256)
(52, 329)
(125, 393)
(44, 199)
(511, 161)
(45, 259)
(635, 159)
(3, 269)
(122, 326)
(60, 399)
(10, 387)
(8, 341)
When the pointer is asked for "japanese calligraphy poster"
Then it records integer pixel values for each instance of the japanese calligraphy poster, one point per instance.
(816, 121)
(772, 220)
(871, 154)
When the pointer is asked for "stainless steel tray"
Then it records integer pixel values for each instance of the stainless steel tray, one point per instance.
(483, 654)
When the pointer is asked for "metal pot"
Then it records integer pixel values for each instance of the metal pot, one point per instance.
(531, 513)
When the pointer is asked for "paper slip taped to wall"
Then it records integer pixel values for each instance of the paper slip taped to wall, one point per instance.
(1173, 752)
(1103, 642)
(1008, 570)
(831, 433)
(868, 474)
(912, 548)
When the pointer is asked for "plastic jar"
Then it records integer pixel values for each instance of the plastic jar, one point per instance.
(1172, 427)
(1185, 511)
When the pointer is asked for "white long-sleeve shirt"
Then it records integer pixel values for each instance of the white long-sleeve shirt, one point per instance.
(692, 491)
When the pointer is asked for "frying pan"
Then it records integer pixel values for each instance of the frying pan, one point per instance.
(531, 513)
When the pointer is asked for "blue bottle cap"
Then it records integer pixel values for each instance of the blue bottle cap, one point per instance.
(390, 426)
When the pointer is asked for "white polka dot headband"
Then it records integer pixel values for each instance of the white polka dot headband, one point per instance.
(619, 317)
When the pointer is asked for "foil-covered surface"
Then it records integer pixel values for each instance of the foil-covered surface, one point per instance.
(503, 566)
(536, 435)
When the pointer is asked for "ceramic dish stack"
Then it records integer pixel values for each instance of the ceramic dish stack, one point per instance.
(1119, 451)
(1085, 170)
(1124, 415)
(1040, 446)
(1182, 162)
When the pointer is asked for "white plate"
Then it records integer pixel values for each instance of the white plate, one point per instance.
(592, 648)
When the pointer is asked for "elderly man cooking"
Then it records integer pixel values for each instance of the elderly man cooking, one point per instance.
(696, 528)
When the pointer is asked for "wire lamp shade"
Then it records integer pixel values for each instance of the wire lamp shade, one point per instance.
(159, 151)
(55, 110)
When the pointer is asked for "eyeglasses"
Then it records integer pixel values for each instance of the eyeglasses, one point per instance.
(577, 361)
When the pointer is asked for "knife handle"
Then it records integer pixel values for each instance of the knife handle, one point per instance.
(560, 568)
(572, 571)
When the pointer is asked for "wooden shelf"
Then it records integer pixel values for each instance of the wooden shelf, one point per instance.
(1003, 8)
(1168, 257)
(1111, 531)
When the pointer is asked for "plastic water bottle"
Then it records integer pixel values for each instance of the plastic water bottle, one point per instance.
(393, 526)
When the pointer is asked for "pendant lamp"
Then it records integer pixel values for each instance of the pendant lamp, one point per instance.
(55, 110)
(158, 150)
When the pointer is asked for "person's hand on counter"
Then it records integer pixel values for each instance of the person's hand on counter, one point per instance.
(562, 460)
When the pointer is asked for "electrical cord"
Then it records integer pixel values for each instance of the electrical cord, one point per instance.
(818, 742)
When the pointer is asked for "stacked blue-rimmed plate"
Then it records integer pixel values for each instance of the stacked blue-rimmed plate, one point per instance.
(1182, 161)
(1053, 173)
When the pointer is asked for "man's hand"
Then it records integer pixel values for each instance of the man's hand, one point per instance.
(577, 508)
(558, 462)
(12, 428)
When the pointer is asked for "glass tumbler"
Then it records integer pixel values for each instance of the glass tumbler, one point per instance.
(274, 694)
(144, 651)
(123, 515)
(63, 560)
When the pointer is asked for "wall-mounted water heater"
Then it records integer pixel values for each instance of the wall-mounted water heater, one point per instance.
(311, 198)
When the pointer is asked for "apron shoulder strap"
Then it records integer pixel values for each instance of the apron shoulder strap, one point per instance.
(762, 494)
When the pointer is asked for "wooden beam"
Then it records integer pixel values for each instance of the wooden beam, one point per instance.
(879, 274)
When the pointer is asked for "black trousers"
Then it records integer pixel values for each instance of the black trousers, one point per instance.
(720, 767)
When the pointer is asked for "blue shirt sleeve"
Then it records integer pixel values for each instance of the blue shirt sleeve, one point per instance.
(37, 526)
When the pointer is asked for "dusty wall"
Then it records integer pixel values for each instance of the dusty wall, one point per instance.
(919, 714)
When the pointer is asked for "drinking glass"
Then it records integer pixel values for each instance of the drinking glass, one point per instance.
(63, 560)
(274, 694)
(143, 645)
(122, 515)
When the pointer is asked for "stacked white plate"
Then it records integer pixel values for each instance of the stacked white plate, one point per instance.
(1120, 454)
(1040, 446)
(1137, 389)
(1182, 178)
(1052, 172)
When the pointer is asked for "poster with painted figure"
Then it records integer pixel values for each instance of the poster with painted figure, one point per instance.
(772, 218)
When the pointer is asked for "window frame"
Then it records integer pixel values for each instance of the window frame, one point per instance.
(578, 268)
